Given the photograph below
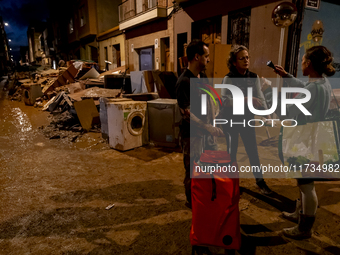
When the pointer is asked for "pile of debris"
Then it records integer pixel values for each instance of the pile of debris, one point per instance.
(70, 93)
(76, 96)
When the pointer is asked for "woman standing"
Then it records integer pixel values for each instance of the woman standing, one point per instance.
(240, 76)
(316, 63)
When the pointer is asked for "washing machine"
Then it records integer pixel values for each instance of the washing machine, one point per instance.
(31, 92)
(103, 113)
(126, 121)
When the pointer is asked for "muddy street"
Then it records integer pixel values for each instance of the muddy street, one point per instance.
(54, 194)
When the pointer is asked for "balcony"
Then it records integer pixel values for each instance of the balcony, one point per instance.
(136, 12)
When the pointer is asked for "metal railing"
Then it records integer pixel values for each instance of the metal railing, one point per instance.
(132, 8)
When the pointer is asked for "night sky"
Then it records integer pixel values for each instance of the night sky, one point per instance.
(18, 14)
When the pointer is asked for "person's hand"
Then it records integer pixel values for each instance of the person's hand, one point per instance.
(265, 84)
(272, 122)
(185, 113)
(280, 71)
(215, 131)
(257, 103)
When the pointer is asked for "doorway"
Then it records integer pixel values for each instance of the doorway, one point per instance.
(165, 57)
(116, 60)
(94, 54)
(106, 59)
(146, 59)
(182, 40)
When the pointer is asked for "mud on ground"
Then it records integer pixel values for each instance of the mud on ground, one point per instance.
(54, 192)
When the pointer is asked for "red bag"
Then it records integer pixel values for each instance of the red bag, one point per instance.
(215, 204)
(215, 157)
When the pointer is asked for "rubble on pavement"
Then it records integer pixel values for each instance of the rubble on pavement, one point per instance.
(71, 94)
(56, 91)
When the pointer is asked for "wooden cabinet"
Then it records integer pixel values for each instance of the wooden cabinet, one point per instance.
(217, 68)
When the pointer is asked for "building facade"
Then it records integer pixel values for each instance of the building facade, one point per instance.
(4, 49)
(228, 23)
(111, 40)
(148, 29)
(153, 34)
(82, 30)
(318, 27)
(36, 43)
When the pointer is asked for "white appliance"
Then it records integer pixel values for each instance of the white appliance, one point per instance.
(126, 123)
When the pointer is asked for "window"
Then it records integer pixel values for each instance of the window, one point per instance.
(82, 16)
(152, 3)
(71, 26)
(116, 55)
(239, 27)
(208, 30)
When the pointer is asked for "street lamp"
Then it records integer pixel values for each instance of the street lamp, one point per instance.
(10, 48)
(6, 24)
(9, 40)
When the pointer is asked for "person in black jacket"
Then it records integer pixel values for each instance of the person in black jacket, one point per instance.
(241, 77)
(199, 136)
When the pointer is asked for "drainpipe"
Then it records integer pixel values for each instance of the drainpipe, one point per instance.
(294, 37)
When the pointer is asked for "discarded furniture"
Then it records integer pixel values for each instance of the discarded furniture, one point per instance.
(142, 96)
(126, 124)
(30, 92)
(164, 118)
(118, 81)
(103, 114)
(65, 78)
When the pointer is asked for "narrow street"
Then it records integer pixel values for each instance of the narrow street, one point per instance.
(54, 194)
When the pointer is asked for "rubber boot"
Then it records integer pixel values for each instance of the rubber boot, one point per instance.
(301, 231)
(294, 216)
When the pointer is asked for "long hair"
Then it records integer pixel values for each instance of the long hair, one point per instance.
(321, 59)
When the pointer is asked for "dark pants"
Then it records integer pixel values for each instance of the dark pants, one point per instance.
(189, 156)
(302, 181)
(248, 137)
(192, 149)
